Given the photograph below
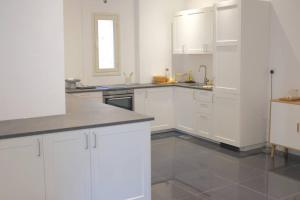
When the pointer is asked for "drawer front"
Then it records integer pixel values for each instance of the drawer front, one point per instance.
(285, 128)
(203, 96)
(203, 125)
(88, 94)
(203, 107)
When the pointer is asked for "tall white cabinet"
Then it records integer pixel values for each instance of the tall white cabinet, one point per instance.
(241, 72)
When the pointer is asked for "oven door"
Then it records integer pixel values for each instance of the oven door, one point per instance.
(121, 101)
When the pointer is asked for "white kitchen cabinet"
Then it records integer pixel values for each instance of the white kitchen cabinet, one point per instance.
(203, 125)
(140, 101)
(22, 169)
(185, 108)
(67, 165)
(89, 95)
(111, 163)
(179, 34)
(285, 125)
(193, 110)
(193, 31)
(156, 102)
(159, 103)
(241, 72)
(121, 163)
(203, 119)
(227, 55)
(226, 119)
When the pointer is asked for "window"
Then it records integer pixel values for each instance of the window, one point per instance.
(107, 45)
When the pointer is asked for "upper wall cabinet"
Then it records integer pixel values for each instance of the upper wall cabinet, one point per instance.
(227, 50)
(241, 71)
(193, 31)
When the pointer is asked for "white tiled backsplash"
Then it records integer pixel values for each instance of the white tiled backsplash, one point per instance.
(186, 63)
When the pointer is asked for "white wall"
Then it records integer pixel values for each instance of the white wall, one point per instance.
(155, 36)
(285, 45)
(79, 51)
(186, 63)
(145, 37)
(31, 59)
(191, 4)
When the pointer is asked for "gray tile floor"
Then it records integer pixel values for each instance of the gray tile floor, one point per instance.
(186, 168)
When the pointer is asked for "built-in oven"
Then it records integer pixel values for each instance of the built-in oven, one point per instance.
(120, 98)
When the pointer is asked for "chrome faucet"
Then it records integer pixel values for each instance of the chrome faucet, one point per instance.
(205, 81)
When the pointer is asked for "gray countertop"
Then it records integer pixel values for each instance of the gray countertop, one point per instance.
(198, 86)
(81, 114)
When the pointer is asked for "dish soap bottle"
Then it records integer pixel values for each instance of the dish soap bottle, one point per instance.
(167, 74)
(190, 77)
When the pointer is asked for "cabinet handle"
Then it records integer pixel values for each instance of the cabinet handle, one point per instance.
(86, 141)
(204, 117)
(298, 127)
(39, 147)
(95, 140)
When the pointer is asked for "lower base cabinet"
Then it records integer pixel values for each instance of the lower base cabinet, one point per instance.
(226, 119)
(110, 163)
(185, 107)
(21, 169)
(194, 111)
(285, 125)
(156, 102)
(120, 164)
(67, 165)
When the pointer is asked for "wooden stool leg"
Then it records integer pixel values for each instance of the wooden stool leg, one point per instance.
(286, 152)
(273, 150)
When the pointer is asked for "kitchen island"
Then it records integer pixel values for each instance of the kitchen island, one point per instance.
(94, 151)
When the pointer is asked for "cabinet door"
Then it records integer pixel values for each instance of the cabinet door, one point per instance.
(22, 169)
(226, 119)
(199, 32)
(185, 108)
(159, 104)
(227, 50)
(139, 101)
(203, 124)
(228, 20)
(67, 164)
(89, 95)
(179, 27)
(121, 163)
(285, 128)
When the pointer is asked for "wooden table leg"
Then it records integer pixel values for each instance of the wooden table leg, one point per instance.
(273, 150)
(286, 152)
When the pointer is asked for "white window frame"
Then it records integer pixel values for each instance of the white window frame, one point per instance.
(116, 71)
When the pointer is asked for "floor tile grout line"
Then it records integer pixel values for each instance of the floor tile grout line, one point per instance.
(291, 195)
(253, 190)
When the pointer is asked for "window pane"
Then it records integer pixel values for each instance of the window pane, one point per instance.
(106, 44)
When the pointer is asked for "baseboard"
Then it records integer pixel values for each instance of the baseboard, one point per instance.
(164, 131)
(252, 147)
(242, 149)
